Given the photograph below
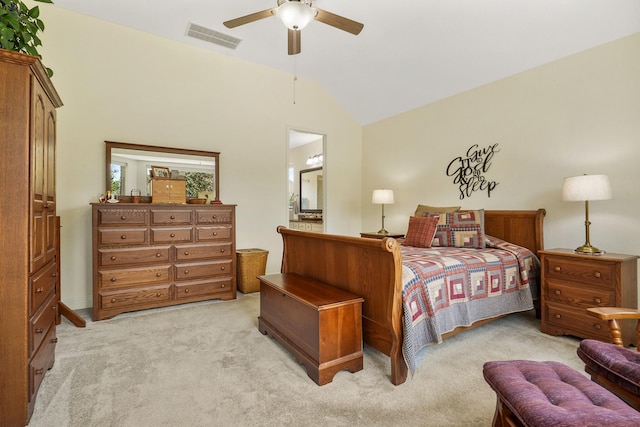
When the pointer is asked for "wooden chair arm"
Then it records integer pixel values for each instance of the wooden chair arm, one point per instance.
(608, 313)
(612, 315)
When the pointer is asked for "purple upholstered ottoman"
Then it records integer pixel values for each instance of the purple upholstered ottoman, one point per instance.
(552, 394)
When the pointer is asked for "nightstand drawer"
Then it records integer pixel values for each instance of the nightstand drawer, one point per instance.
(575, 321)
(583, 296)
(596, 273)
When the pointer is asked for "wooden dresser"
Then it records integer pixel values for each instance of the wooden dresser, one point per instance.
(153, 255)
(571, 283)
(29, 231)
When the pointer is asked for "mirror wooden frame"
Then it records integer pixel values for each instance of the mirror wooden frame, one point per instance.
(110, 145)
(301, 195)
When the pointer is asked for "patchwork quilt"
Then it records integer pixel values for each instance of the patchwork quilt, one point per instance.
(445, 287)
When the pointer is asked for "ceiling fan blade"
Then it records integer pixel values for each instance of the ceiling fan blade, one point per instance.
(250, 18)
(294, 42)
(339, 22)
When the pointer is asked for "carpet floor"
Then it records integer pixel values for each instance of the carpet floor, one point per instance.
(206, 364)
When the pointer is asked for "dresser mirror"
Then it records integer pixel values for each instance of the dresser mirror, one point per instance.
(128, 170)
(311, 190)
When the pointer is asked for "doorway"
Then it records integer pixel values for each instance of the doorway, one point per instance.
(306, 200)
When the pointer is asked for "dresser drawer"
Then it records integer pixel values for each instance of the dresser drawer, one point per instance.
(167, 217)
(205, 234)
(575, 321)
(171, 235)
(108, 216)
(41, 285)
(124, 256)
(41, 362)
(194, 270)
(597, 273)
(192, 252)
(133, 276)
(41, 322)
(584, 296)
(214, 216)
(204, 289)
(144, 297)
(122, 236)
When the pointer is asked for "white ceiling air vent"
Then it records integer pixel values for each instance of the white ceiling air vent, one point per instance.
(212, 36)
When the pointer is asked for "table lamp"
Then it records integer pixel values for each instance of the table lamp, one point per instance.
(382, 197)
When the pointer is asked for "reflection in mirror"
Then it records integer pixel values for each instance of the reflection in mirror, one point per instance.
(128, 169)
(311, 190)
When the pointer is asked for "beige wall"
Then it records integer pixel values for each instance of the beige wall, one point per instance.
(578, 115)
(123, 85)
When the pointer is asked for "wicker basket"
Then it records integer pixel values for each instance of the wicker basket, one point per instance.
(250, 263)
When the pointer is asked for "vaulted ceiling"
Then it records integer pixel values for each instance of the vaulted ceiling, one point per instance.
(410, 53)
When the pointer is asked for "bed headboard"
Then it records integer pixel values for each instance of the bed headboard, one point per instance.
(523, 228)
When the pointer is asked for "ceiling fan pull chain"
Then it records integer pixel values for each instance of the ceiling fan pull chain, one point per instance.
(295, 78)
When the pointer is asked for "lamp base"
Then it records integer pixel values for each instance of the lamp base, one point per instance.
(587, 249)
(383, 231)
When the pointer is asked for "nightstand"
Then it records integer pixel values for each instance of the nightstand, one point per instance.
(376, 235)
(571, 283)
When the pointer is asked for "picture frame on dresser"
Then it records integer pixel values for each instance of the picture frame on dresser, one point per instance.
(160, 172)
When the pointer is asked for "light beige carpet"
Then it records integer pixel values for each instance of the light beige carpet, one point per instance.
(207, 364)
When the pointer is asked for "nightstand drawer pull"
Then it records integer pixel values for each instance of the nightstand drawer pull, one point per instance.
(39, 371)
(113, 258)
(597, 326)
(557, 268)
(113, 279)
(597, 300)
(186, 253)
(557, 292)
(158, 294)
(186, 291)
(597, 274)
(557, 316)
(124, 236)
(123, 217)
(39, 330)
(172, 235)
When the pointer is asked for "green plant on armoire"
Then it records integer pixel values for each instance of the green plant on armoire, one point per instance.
(19, 27)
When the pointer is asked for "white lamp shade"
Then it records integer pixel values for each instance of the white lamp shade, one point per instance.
(586, 187)
(295, 14)
(382, 197)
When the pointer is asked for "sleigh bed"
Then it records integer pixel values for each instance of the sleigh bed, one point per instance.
(375, 269)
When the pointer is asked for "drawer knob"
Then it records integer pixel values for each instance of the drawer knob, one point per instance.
(557, 316)
(597, 274)
(113, 300)
(124, 236)
(113, 258)
(214, 217)
(215, 233)
(172, 235)
(597, 300)
(39, 290)
(222, 286)
(54, 340)
(113, 279)
(123, 217)
(158, 294)
(158, 274)
(39, 330)
(597, 326)
(557, 292)
(54, 274)
(39, 371)
(186, 291)
(556, 269)
(222, 250)
(158, 255)
(222, 268)
(186, 253)
(172, 217)
(186, 272)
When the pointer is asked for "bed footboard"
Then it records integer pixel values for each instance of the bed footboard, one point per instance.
(368, 268)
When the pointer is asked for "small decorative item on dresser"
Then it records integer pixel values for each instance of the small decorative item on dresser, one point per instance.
(571, 283)
(160, 172)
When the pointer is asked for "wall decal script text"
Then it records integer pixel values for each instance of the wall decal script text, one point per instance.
(468, 172)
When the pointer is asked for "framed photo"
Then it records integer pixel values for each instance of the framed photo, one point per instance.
(160, 172)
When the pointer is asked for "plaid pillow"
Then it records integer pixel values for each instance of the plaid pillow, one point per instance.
(459, 229)
(421, 231)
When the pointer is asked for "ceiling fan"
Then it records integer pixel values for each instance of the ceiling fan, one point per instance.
(295, 15)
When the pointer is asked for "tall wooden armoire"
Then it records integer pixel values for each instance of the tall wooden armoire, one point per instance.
(28, 233)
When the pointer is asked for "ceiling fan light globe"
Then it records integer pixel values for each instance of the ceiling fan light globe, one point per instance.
(295, 15)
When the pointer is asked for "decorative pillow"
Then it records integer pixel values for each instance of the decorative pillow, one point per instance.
(421, 231)
(459, 229)
(421, 209)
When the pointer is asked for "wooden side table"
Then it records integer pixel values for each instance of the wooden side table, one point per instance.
(572, 282)
(376, 235)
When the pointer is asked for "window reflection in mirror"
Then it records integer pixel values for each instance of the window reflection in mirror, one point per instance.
(129, 169)
(311, 190)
